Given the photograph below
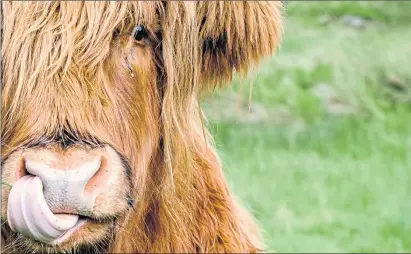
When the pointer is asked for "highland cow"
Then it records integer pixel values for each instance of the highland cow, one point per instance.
(104, 145)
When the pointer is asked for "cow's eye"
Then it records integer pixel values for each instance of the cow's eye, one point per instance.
(139, 33)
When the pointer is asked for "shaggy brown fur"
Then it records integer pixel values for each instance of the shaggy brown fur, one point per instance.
(70, 74)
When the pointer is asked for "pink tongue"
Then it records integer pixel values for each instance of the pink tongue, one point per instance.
(28, 213)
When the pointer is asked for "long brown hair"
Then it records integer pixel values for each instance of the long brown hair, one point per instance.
(62, 74)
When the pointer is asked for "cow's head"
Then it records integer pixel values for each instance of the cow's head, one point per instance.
(100, 120)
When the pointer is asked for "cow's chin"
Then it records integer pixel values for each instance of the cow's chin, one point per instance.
(90, 236)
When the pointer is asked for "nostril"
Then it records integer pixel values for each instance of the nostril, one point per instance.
(21, 169)
(91, 168)
(99, 177)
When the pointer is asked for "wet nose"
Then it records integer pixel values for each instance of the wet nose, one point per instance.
(49, 175)
(71, 182)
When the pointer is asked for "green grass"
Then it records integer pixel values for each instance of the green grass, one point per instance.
(321, 181)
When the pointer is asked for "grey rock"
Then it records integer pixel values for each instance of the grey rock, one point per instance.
(354, 21)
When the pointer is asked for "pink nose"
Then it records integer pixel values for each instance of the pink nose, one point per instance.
(72, 180)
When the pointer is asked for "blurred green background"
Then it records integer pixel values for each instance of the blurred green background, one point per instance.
(320, 154)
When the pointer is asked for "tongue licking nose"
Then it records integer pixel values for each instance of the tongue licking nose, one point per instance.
(33, 198)
(28, 213)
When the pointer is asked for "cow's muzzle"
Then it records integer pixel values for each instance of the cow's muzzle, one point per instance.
(55, 191)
